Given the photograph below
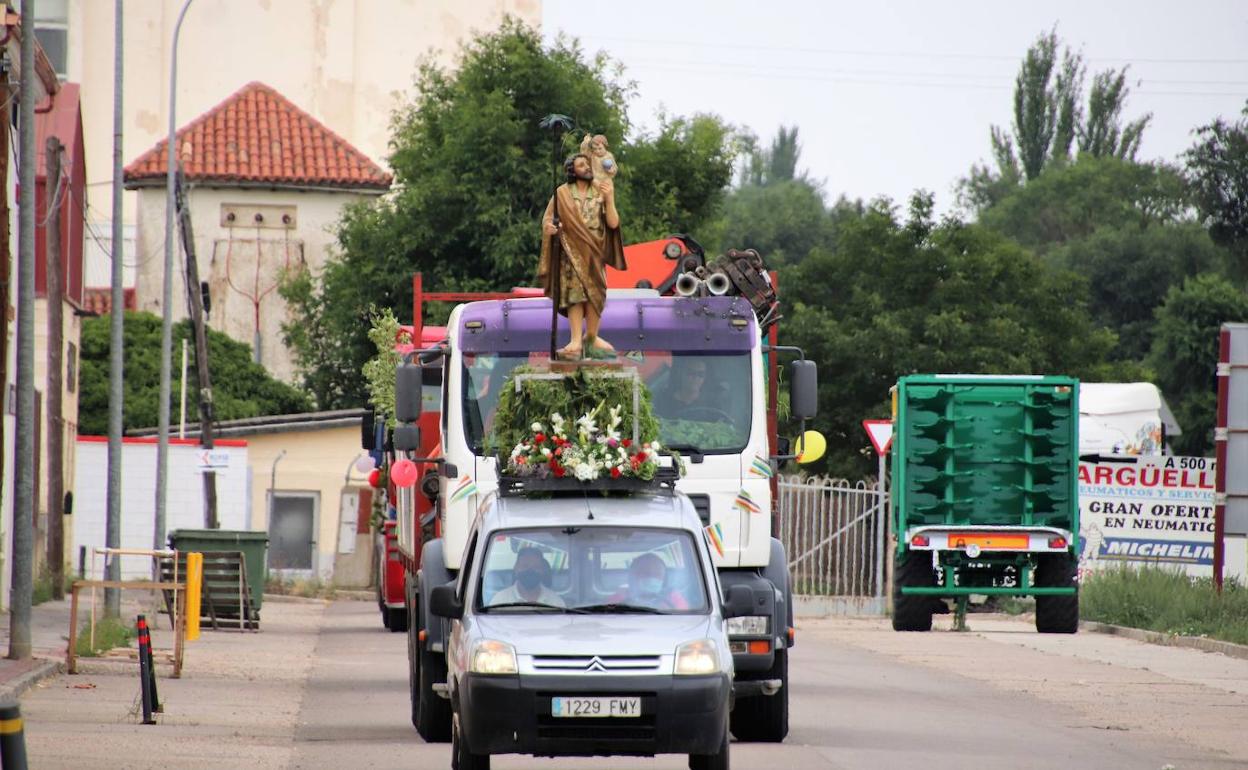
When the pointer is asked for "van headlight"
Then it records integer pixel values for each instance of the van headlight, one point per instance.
(749, 625)
(697, 657)
(492, 657)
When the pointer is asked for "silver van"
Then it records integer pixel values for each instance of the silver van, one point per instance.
(584, 626)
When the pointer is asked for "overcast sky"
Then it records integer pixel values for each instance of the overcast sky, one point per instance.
(893, 96)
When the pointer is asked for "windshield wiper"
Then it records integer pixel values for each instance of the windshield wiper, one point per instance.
(534, 605)
(622, 607)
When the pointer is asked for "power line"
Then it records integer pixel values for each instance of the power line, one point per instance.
(737, 46)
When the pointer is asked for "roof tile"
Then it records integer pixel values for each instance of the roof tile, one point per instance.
(258, 136)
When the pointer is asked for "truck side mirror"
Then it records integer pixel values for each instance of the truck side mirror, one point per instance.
(368, 430)
(407, 393)
(407, 438)
(803, 389)
(739, 602)
(444, 603)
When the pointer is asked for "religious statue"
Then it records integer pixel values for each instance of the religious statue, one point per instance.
(577, 251)
(600, 158)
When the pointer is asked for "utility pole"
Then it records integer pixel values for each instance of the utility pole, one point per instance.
(166, 302)
(116, 337)
(6, 272)
(195, 306)
(24, 452)
(57, 190)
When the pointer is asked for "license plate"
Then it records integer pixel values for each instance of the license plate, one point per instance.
(595, 707)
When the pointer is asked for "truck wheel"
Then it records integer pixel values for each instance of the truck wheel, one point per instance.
(765, 718)
(431, 714)
(1057, 614)
(716, 761)
(913, 613)
(396, 618)
(461, 758)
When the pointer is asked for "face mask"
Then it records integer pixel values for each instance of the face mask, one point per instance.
(649, 586)
(529, 579)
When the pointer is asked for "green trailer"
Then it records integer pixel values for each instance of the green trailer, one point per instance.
(985, 495)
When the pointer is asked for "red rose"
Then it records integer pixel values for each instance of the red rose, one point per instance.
(627, 443)
(641, 457)
(540, 438)
(615, 473)
(557, 470)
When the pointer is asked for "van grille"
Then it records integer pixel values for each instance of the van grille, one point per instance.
(595, 663)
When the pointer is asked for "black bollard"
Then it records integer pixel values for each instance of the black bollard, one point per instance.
(12, 737)
(145, 667)
(151, 675)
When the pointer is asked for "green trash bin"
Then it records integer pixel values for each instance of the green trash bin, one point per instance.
(254, 545)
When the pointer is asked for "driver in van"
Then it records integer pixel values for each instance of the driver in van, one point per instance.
(531, 574)
(647, 578)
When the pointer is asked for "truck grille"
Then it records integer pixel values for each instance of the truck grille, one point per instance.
(607, 664)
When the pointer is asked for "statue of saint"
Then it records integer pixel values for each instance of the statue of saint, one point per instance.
(586, 240)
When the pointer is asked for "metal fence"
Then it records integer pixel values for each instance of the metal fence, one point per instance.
(833, 533)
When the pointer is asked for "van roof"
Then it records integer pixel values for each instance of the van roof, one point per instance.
(643, 510)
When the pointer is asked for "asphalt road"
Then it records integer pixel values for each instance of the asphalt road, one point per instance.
(325, 686)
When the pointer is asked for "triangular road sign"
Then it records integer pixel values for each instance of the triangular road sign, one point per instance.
(881, 434)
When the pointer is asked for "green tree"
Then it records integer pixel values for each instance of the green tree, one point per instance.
(1185, 354)
(1217, 172)
(775, 165)
(898, 297)
(473, 173)
(241, 387)
(1048, 118)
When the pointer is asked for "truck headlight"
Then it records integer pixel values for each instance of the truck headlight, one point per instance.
(491, 657)
(749, 625)
(697, 657)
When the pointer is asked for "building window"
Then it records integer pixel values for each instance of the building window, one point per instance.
(71, 368)
(52, 31)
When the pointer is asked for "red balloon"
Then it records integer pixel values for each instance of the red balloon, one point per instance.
(403, 473)
(374, 478)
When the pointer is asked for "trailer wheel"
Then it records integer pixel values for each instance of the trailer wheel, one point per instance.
(1057, 614)
(765, 718)
(396, 618)
(431, 714)
(913, 613)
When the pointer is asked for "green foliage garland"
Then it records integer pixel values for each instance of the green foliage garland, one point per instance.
(378, 371)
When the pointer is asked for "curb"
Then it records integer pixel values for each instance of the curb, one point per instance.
(287, 599)
(1169, 640)
(43, 669)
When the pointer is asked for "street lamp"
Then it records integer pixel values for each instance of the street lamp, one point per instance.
(166, 307)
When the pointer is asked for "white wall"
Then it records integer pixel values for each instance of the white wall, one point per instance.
(184, 508)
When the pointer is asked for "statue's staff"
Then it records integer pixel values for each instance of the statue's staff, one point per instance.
(556, 124)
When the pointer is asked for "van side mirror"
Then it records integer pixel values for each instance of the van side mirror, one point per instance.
(408, 388)
(368, 429)
(407, 438)
(444, 603)
(803, 389)
(739, 602)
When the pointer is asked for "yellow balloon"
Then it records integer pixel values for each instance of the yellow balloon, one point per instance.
(811, 446)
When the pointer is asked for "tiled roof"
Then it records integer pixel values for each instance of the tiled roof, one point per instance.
(258, 137)
(99, 299)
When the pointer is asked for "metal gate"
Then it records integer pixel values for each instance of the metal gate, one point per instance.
(833, 533)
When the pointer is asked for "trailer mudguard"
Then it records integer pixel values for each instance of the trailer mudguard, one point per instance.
(433, 572)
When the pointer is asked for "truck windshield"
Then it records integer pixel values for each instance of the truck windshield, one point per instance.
(703, 402)
(592, 570)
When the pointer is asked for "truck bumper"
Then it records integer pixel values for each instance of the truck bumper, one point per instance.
(512, 715)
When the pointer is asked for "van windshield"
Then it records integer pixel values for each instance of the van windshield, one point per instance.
(592, 570)
(703, 402)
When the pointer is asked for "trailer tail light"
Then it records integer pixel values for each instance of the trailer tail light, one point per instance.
(922, 541)
(1057, 542)
(760, 647)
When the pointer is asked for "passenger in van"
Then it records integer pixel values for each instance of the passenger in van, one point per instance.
(647, 586)
(532, 576)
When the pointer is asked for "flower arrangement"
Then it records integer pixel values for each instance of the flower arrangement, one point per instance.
(589, 448)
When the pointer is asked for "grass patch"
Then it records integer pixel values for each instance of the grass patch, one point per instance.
(44, 583)
(308, 588)
(109, 633)
(1158, 599)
